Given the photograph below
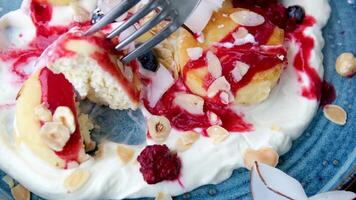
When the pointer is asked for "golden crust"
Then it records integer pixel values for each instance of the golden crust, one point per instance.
(260, 86)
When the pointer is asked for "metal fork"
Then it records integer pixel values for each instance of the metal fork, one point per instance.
(177, 11)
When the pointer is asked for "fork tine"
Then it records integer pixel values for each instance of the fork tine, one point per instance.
(135, 18)
(145, 47)
(146, 27)
(112, 15)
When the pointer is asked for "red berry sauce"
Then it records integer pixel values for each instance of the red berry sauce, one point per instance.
(41, 14)
(328, 94)
(258, 58)
(57, 91)
(301, 61)
(159, 164)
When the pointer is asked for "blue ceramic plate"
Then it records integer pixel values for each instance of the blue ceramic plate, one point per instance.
(324, 157)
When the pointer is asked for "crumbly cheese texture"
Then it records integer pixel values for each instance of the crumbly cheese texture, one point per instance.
(105, 84)
(91, 81)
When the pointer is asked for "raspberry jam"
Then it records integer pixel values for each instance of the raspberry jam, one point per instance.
(57, 91)
(182, 120)
(41, 14)
(301, 61)
(159, 164)
(328, 94)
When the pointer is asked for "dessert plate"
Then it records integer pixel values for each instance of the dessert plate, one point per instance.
(322, 159)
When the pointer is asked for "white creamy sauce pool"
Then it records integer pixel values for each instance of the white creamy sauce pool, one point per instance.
(202, 164)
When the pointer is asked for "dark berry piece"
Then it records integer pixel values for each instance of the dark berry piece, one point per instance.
(96, 16)
(158, 163)
(276, 13)
(296, 14)
(149, 61)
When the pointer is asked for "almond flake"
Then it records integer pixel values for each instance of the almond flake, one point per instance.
(265, 155)
(125, 153)
(9, 181)
(218, 134)
(240, 33)
(214, 118)
(19, 192)
(195, 53)
(247, 18)
(76, 180)
(220, 84)
(242, 36)
(43, 114)
(225, 98)
(239, 71)
(214, 65)
(186, 140)
(335, 114)
(190, 103)
(163, 196)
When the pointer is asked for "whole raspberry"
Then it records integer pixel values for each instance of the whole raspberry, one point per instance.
(158, 163)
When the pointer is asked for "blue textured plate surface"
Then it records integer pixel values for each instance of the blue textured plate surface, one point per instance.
(324, 157)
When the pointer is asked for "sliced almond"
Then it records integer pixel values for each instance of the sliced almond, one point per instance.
(247, 18)
(218, 134)
(213, 118)
(239, 71)
(226, 98)
(346, 64)
(242, 36)
(76, 180)
(55, 135)
(9, 181)
(195, 53)
(159, 128)
(65, 115)
(43, 114)
(214, 65)
(125, 153)
(163, 196)
(19, 192)
(335, 113)
(220, 84)
(240, 33)
(186, 140)
(190, 103)
(265, 155)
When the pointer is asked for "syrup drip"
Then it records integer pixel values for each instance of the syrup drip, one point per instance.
(328, 94)
(301, 61)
